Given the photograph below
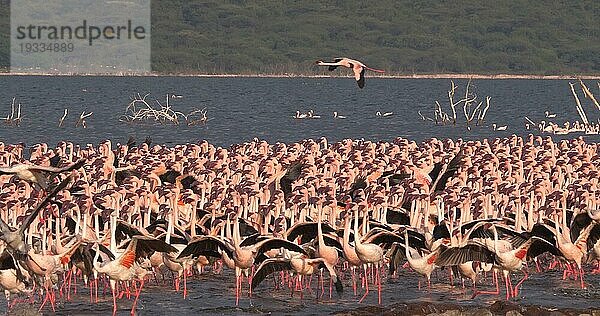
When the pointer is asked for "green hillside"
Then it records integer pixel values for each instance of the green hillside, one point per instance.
(401, 36)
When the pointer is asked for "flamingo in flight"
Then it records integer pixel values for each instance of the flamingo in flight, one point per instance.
(357, 67)
(39, 175)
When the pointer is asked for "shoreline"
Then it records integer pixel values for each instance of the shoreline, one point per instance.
(395, 76)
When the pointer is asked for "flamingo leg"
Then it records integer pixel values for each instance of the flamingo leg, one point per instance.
(516, 290)
(156, 275)
(72, 278)
(354, 280)
(237, 290)
(114, 294)
(53, 300)
(96, 287)
(91, 292)
(184, 284)
(378, 278)
(301, 288)
(366, 286)
(275, 283)
(322, 282)
(508, 286)
(45, 299)
(250, 282)
(296, 285)
(128, 290)
(428, 284)
(137, 295)
(495, 278)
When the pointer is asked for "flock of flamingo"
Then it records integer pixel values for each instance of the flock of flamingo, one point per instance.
(356, 209)
(114, 216)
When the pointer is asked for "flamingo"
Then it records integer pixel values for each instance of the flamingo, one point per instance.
(348, 251)
(507, 260)
(302, 266)
(385, 114)
(38, 175)
(423, 265)
(499, 128)
(357, 67)
(337, 116)
(46, 266)
(328, 253)
(9, 277)
(243, 256)
(311, 114)
(575, 248)
(369, 254)
(124, 268)
(15, 239)
(300, 115)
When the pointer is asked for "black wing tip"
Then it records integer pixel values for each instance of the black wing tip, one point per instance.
(361, 82)
(339, 287)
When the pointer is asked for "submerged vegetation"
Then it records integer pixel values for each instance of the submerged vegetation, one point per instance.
(404, 37)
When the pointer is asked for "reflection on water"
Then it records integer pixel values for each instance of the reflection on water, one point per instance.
(215, 294)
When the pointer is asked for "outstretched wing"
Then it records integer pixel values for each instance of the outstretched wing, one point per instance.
(29, 219)
(308, 230)
(275, 243)
(73, 166)
(267, 267)
(440, 180)
(292, 174)
(147, 245)
(207, 246)
(470, 252)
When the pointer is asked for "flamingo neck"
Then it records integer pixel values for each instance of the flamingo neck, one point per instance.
(113, 228)
(320, 229)
(346, 239)
(95, 261)
(236, 231)
(357, 242)
(193, 219)
(406, 249)
(170, 228)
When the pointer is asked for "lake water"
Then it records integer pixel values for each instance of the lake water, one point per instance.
(240, 109)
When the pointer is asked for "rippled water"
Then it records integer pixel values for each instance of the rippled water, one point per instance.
(243, 108)
(215, 294)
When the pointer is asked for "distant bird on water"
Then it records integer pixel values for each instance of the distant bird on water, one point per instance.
(499, 128)
(386, 114)
(336, 115)
(550, 115)
(357, 67)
